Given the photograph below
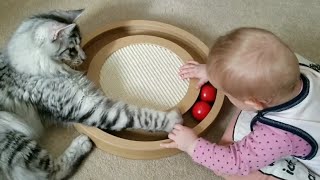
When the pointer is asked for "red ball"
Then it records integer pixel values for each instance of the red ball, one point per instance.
(208, 93)
(200, 110)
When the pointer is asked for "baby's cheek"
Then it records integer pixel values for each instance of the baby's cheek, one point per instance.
(238, 104)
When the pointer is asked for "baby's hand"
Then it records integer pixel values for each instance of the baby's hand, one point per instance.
(194, 70)
(183, 138)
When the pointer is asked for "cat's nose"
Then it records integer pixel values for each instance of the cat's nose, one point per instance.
(83, 56)
(81, 53)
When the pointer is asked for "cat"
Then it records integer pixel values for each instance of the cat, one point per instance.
(38, 85)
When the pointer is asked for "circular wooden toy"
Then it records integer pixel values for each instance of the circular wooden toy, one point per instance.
(137, 62)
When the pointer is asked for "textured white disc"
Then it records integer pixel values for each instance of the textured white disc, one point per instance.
(145, 75)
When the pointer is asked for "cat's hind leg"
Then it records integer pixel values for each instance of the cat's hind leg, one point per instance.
(67, 163)
(22, 158)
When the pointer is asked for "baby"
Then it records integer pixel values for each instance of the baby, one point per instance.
(277, 129)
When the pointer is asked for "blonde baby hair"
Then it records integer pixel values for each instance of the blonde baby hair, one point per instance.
(252, 63)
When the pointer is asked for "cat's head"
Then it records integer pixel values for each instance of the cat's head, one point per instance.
(59, 36)
(46, 42)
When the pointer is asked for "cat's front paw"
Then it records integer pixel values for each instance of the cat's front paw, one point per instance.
(174, 117)
(82, 143)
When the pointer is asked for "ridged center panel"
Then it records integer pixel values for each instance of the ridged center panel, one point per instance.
(145, 75)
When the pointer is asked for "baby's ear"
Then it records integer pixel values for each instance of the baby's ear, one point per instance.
(66, 30)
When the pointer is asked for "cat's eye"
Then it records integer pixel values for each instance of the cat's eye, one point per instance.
(73, 51)
(65, 51)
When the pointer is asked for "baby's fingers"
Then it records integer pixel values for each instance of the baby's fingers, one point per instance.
(188, 73)
(169, 145)
(192, 62)
(172, 136)
(178, 126)
(187, 67)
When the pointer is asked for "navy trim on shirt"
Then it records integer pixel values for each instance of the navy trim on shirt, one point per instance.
(235, 124)
(286, 127)
(293, 102)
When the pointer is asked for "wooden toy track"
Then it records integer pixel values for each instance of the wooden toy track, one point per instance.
(104, 42)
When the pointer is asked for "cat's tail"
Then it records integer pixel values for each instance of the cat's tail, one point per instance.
(11, 122)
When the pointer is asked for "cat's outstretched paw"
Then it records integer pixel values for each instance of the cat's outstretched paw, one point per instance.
(174, 117)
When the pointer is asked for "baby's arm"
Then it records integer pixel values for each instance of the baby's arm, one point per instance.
(263, 146)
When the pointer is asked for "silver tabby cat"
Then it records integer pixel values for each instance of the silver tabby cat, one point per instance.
(37, 85)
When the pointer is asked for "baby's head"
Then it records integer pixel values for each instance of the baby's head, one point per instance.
(254, 68)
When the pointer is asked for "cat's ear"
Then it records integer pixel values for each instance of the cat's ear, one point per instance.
(70, 15)
(66, 30)
(73, 15)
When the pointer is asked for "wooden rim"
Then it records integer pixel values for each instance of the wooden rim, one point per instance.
(148, 149)
(143, 149)
(146, 25)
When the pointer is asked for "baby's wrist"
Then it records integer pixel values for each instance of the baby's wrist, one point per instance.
(192, 146)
